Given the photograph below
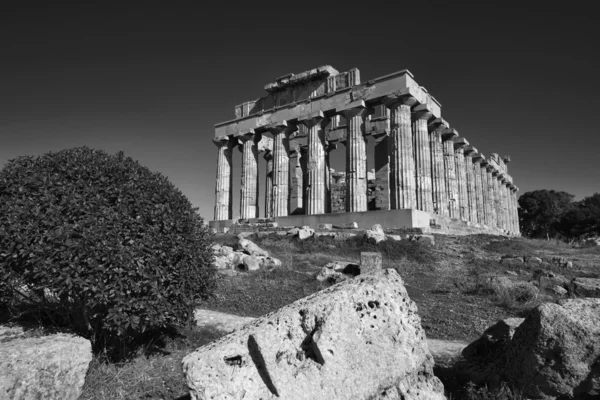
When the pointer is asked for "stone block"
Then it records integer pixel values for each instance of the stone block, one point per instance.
(325, 227)
(371, 347)
(370, 262)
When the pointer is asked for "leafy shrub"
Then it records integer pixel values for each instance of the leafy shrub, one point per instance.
(100, 244)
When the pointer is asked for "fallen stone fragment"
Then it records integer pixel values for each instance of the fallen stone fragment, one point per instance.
(325, 227)
(559, 290)
(46, 367)
(305, 233)
(375, 235)
(427, 239)
(586, 287)
(359, 339)
(532, 260)
(555, 352)
(252, 249)
(512, 260)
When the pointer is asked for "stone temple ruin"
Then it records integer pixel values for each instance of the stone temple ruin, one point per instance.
(425, 174)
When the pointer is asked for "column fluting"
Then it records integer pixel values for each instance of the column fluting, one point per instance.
(223, 198)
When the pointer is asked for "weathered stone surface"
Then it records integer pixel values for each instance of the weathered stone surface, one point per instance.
(251, 248)
(424, 184)
(356, 158)
(427, 239)
(461, 178)
(249, 186)
(402, 162)
(375, 234)
(326, 346)
(316, 189)
(305, 233)
(480, 357)
(250, 263)
(559, 290)
(223, 199)
(532, 260)
(440, 199)
(511, 260)
(450, 172)
(370, 262)
(46, 367)
(219, 321)
(562, 262)
(555, 352)
(587, 287)
(325, 227)
(330, 275)
(445, 352)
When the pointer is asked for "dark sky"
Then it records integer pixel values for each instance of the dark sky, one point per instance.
(152, 78)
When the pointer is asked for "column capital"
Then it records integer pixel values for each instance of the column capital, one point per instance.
(421, 112)
(336, 135)
(438, 124)
(449, 134)
(244, 135)
(221, 141)
(478, 158)
(353, 109)
(400, 97)
(470, 151)
(460, 142)
(311, 119)
(490, 168)
(265, 144)
(281, 127)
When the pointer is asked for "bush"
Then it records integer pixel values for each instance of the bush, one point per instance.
(100, 244)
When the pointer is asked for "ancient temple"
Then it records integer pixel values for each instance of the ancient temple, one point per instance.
(425, 173)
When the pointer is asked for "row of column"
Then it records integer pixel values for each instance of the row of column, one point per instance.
(430, 169)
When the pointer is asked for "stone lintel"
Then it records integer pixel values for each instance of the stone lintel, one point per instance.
(243, 133)
(337, 135)
(282, 126)
(449, 134)
(297, 143)
(372, 91)
(460, 142)
(422, 112)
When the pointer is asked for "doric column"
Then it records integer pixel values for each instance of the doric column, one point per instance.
(508, 207)
(269, 184)
(422, 158)
(471, 191)
(485, 191)
(402, 162)
(438, 176)
(356, 156)
(296, 190)
(448, 136)
(461, 177)
(479, 196)
(316, 166)
(382, 169)
(249, 186)
(281, 167)
(223, 187)
(498, 199)
(516, 211)
(492, 196)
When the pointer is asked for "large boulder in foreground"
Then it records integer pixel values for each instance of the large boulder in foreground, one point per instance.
(359, 339)
(555, 352)
(46, 367)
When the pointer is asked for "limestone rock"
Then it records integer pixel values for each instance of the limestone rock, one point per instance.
(512, 260)
(426, 239)
(445, 352)
(252, 249)
(337, 266)
(244, 235)
(562, 262)
(325, 227)
(532, 260)
(587, 287)
(251, 263)
(359, 339)
(480, 357)
(555, 352)
(46, 367)
(395, 238)
(370, 262)
(375, 234)
(559, 290)
(305, 233)
(330, 275)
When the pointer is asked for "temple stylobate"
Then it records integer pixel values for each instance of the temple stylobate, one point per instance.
(426, 175)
